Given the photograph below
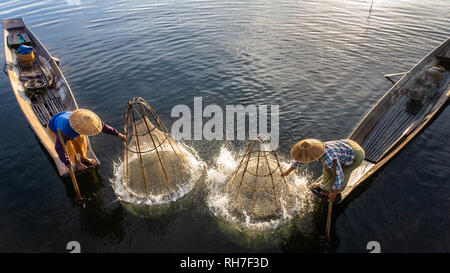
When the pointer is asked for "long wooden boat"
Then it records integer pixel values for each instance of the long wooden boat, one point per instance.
(401, 113)
(55, 96)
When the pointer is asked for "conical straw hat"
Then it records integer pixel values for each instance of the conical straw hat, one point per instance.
(308, 150)
(85, 122)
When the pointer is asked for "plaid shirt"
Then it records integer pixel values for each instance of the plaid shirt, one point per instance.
(340, 150)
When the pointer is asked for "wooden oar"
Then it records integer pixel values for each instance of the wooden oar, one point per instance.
(330, 208)
(72, 174)
(330, 203)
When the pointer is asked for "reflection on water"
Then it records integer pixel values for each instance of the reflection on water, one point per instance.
(322, 62)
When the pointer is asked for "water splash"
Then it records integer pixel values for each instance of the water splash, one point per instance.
(221, 206)
(195, 167)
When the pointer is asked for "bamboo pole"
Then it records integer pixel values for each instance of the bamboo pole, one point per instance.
(233, 178)
(72, 174)
(138, 148)
(271, 177)
(330, 203)
(156, 147)
(125, 150)
(245, 168)
(279, 166)
(256, 181)
(388, 76)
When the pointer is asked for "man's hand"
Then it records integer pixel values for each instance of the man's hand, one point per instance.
(332, 195)
(287, 172)
(122, 137)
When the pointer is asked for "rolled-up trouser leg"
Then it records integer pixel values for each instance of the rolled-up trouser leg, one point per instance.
(79, 145)
(327, 183)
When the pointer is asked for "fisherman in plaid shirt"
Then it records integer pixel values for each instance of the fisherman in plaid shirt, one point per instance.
(347, 153)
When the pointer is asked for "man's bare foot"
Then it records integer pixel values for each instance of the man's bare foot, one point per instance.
(81, 166)
(88, 161)
(324, 193)
(316, 185)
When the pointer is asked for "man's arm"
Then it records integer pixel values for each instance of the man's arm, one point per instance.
(112, 131)
(288, 171)
(293, 166)
(109, 130)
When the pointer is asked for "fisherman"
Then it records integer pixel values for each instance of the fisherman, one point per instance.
(74, 126)
(348, 154)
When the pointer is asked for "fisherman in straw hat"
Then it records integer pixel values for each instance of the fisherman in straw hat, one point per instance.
(74, 126)
(348, 154)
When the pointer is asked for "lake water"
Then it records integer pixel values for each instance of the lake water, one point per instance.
(322, 62)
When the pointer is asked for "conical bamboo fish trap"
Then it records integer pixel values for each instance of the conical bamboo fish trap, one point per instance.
(154, 165)
(257, 188)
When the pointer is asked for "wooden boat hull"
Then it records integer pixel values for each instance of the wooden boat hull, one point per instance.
(388, 126)
(39, 111)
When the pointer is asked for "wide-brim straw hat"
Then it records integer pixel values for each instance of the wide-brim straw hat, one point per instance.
(308, 150)
(85, 122)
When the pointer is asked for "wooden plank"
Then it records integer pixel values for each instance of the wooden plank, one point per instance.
(52, 107)
(53, 93)
(9, 24)
(385, 121)
(366, 125)
(381, 134)
(399, 131)
(402, 118)
(60, 104)
(41, 113)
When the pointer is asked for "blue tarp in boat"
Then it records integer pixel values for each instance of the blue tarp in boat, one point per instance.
(24, 50)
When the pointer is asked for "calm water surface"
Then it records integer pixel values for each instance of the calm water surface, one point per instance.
(322, 61)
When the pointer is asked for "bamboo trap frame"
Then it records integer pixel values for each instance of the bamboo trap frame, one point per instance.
(257, 186)
(152, 159)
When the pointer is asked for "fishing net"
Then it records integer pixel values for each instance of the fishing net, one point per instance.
(154, 165)
(257, 188)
